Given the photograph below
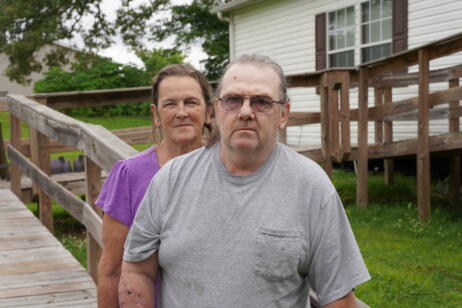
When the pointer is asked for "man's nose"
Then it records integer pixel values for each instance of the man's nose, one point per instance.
(246, 111)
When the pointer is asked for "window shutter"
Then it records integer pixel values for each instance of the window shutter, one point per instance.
(320, 44)
(399, 25)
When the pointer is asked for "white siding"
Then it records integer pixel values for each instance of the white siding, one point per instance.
(284, 30)
(7, 86)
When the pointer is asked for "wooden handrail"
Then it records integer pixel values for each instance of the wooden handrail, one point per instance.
(94, 140)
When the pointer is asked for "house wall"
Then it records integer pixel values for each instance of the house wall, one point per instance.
(284, 30)
(7, 86)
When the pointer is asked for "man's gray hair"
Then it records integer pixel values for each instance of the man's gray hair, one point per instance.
(259, 61)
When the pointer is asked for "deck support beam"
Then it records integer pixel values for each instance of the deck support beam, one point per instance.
(423, 154)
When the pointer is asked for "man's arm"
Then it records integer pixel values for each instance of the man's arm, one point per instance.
(114, 234)
(136, 288)
(348, 301)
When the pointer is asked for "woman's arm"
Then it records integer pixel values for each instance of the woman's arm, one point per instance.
(136, 288)
(348, 301)
(114, 234)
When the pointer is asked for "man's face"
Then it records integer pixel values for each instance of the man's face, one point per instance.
(245, 129)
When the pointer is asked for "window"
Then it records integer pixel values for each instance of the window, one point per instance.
(369, 30)
(341, 37)
(376, 29)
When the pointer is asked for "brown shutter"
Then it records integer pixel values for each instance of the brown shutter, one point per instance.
(320, 33)
(399, 25)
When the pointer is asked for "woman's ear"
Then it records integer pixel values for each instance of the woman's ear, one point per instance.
(155, 115)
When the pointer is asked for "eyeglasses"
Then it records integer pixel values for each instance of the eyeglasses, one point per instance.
(233, 102)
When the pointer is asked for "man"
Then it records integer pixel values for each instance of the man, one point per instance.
(244, 222)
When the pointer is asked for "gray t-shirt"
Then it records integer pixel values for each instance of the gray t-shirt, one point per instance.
(246, 241)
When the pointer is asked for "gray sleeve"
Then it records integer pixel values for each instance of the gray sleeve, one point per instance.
(336, 266)
(143, 239)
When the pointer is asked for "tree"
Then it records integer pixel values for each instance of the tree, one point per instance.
(28, 25)
(93, 73)
(188, 23)
(156, 59)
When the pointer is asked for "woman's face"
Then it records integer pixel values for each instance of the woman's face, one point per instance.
(181, 111)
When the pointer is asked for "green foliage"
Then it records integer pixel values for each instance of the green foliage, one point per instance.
(194, 23)
(28, 25)
(154, 60)
(99, 74)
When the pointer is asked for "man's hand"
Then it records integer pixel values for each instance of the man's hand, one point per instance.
(136, 288)
(348, 301)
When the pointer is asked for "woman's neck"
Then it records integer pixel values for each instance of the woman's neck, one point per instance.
(168, 150)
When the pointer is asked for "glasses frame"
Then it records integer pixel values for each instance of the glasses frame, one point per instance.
(244, 97)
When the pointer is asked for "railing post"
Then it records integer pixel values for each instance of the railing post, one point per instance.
(325, 129)
(34, 151)
(93, 183)
(362, 159)
(423, 155)
(41, 152)
(15, 141)
(332, 96)
(454, 162)
(345, 112)
(4, 168)
(388, 163)
(378, 101)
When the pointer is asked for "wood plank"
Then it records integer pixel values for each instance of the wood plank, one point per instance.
(423, 154)
(97, 142)
(48, 288)
(33, 266)
(334, 138)
(65, 100)
(15, 126)
(362, 161)
(408, 79)
(325, 144)
(454, 161)
(378, 101)
(73, 205)
(93, 187)
(103, 147)
(50, 299)
(68, 299)
(388, 138)
(14, 281)
(345, 113)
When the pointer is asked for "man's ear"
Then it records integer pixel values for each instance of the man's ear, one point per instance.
(285, 116)
(155, 115)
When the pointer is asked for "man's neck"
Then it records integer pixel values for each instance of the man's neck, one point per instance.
(168, 150)
(242, 163)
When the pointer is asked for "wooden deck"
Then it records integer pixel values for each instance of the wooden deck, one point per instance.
(35, 269)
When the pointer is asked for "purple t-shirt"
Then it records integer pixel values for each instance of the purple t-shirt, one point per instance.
(126, 184)
(124, 189)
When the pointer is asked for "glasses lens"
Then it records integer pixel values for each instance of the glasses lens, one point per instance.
(232, 102)
(261, 103)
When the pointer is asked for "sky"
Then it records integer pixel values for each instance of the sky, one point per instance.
(122, 53)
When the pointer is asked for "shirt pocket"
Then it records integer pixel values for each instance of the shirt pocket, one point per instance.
(277, 254)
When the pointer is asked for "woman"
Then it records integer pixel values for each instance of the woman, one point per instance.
(181, 109)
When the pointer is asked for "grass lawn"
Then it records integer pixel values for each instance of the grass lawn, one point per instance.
(413, 264)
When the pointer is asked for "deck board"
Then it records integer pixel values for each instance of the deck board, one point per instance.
(35, 269)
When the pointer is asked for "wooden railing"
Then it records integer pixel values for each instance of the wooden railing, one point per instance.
(383, 76)
(102, 149)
